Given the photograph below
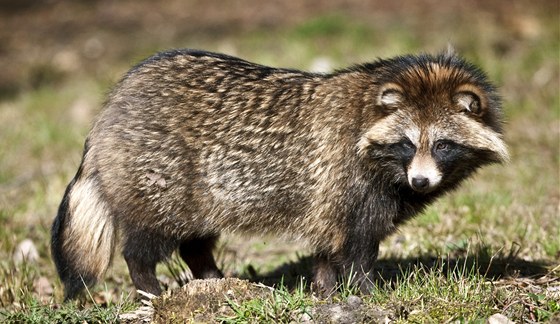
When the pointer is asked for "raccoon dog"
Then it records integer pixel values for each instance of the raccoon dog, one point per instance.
(191, 144)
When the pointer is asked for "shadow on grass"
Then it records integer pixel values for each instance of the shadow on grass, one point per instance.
(392, 270)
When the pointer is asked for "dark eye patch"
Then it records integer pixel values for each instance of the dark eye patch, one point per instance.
(442, 146)
(447, 151)
(404, 149)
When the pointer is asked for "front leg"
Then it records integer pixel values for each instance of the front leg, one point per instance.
(353, 265)
(326, 273)
(358, 268)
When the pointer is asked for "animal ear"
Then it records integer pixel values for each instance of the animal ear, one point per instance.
(390, 95)
(470, 100)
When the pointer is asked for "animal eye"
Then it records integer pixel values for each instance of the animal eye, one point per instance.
(447, 150)
(404, 149)
(407, 148)
(442, 146)
(407, 145)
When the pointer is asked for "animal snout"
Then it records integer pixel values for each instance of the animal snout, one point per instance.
(420, 183)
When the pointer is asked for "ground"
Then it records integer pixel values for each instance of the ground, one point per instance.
(491, 248)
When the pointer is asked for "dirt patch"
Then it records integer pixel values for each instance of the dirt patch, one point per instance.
(351, 311)
(199, 301)
(213, 300)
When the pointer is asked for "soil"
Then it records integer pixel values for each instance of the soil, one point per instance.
(208, 301)
(203, 300)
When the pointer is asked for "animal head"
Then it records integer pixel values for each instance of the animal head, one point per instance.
(433, 120)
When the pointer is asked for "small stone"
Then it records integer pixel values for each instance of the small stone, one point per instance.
(305, 318)
(340, 315)
(499, 319)
(354, 301)
(337, 312)
(25, 251)
(43, 287)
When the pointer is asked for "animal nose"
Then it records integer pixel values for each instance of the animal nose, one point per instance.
(420, 183)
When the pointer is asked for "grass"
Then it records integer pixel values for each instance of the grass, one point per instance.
(451, 291)
(436, 295)
(491, 247)
(284, 306)
(33, 311)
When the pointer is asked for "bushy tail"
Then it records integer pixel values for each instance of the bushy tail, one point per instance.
(83, 234)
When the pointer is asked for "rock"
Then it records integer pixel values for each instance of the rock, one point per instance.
(25, 251)
(354, 301)
(42, 286)
(305, 318)
(205, 300)
(499, 319)
(336, 313)
(339, 314)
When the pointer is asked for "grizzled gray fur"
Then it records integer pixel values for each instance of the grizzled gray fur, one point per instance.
(192, 144)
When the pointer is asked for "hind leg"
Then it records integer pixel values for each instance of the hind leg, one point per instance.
(142, 252)
(197, 253)
(143, 275)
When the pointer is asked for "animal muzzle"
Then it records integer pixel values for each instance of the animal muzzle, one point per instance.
(423, 174)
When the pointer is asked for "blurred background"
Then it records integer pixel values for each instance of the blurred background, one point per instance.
(48, 42)
(58, 59)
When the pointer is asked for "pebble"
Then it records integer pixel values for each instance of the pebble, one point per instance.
(25, 251)
(499, 319)
(354, 301)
